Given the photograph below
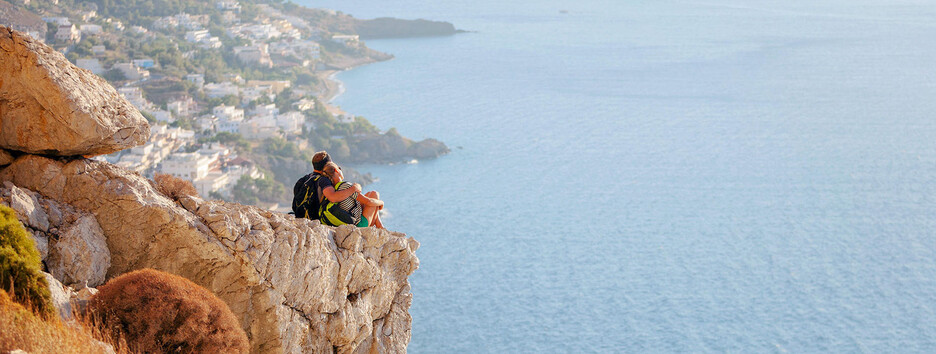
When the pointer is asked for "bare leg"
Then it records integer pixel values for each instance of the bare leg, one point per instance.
(377, 222)
(374, 195)
(376, 217)
(369, 212)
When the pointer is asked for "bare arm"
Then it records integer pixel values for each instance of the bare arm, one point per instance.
(367, 201)
(337, 196)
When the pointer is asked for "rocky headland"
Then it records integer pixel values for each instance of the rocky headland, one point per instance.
(388, 27)
(294, 284)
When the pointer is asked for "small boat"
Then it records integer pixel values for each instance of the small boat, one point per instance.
(563, 11)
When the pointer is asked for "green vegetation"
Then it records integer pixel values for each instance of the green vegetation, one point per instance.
(20, 267)
(158, 312)
(254, 190)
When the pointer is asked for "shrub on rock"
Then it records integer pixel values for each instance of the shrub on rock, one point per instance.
(20, 267)
(174, 187)
(161, 312)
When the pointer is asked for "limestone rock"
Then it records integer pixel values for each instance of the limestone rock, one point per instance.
(26, 205)
(295, 285)
(5, 158)
(61, 297)
(49, 106)
(80, 254)
(69, 241)
(42, 244)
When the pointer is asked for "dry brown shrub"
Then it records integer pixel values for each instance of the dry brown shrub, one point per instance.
(160, 312)
(23, 329)
(174, 187)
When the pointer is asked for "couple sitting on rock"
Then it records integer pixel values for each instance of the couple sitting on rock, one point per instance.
(324, 195)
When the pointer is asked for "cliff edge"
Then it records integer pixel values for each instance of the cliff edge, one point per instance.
(294, 284)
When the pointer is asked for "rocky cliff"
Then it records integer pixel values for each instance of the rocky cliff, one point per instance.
(295, 285)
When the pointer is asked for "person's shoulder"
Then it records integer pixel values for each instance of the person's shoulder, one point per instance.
(324, 182)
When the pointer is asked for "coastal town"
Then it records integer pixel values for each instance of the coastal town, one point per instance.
(236, 92)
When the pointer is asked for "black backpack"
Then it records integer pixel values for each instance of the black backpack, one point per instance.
(305, 202)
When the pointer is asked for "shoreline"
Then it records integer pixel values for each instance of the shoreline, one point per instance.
(334, 87)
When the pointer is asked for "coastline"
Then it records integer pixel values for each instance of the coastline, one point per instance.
(334, 87)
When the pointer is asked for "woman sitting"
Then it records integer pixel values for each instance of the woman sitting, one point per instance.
(357, 209)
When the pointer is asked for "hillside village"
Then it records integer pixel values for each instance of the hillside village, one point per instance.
(236, 91)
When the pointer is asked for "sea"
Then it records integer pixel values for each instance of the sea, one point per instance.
(663, 176)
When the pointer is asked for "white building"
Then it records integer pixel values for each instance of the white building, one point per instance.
(258, 55)
(189, 22)
(68, 34)
(135, 96)
(258, 128)
(228, 126)
(229, 119)
(228, 112)
(98, 49)
(163, 116)
(228, 5)
(144, 149)
(290, 122)
(189, 166)
(89, 29)
(346, 39)
(132, 72)
(182, 107)
(257, 32)
(59, 21)
(203, 38)
(265, 110)
(207, 122)
(197, 36)
(91, 64)
(216, 90)
(215, 180)
(251, 93)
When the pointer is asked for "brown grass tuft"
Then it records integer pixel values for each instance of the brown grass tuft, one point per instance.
(174, 187)
(160, 312)
(22, 329)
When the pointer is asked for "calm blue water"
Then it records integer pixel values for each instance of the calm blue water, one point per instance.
(664, 176)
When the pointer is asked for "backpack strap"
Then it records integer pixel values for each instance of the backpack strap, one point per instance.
(331, 213)
(310, 191)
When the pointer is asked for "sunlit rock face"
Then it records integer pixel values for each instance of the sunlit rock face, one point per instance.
(49, 106)
(296, 285)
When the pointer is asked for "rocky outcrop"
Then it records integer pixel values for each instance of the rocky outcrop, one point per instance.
(391, 147)
(49, 106)
(388, 27)
(69, 241)
(296, 285)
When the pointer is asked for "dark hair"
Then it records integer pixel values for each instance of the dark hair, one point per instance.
(319, 160)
